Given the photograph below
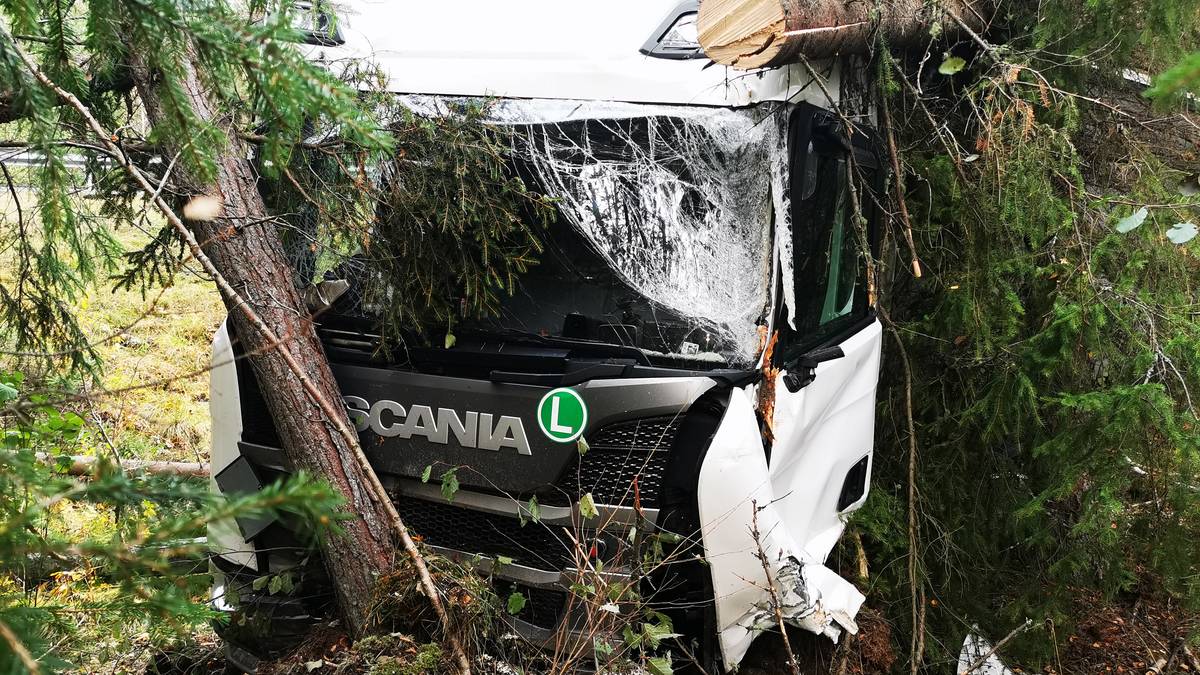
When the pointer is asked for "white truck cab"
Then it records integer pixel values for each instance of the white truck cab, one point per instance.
(701, 317)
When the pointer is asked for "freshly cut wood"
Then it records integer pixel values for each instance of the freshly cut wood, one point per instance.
(767, 33)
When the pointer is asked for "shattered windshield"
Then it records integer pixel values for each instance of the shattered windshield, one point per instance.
(665, 228)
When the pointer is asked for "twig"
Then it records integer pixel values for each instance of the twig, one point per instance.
(762, 558)
(1191, 656)
(333, 415)
(897, 185)
(104, 435)
(917, 644)
(937, 128)
(996, 647)
(12, 190)
(988, 48)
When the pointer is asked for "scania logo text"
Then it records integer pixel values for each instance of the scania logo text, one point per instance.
(473, 430)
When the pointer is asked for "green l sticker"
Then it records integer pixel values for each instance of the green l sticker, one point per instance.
(562, 415)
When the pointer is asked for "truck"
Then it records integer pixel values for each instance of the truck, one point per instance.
(692, 365)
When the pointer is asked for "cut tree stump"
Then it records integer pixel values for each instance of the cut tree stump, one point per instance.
(749, 34)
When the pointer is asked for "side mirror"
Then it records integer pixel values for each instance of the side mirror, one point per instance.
(802, 371)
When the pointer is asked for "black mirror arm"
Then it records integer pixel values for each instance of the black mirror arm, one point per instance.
(802, 371)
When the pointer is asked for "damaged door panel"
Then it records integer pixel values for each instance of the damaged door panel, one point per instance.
(798, 481)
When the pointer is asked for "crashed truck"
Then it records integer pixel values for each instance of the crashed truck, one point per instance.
(701, 318)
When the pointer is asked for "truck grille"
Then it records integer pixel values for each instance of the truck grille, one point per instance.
(621, 454)
(544, 607)
(534, 545)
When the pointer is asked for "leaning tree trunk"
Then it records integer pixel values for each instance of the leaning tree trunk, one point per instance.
(767, 33)
(245, 248)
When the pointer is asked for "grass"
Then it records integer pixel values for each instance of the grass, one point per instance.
(164, 340)
(150, 400)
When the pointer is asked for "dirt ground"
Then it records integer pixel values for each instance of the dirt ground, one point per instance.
(1132, 635)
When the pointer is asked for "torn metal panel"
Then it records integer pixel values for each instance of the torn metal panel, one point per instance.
(809, 596)
(733, 479)
(821, 431)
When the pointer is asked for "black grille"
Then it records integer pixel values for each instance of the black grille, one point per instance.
(621, 454)
(534, 545)
(543, 606)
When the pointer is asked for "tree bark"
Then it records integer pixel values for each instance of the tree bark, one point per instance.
(767, 33)
(244, 246)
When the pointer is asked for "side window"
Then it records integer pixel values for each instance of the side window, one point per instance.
(839, 252)
(829, 268)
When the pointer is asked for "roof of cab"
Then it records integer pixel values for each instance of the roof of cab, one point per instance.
(543, 49)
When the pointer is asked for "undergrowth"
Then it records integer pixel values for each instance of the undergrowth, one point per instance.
(1055, 351)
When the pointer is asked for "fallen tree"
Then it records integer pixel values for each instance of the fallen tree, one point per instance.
(85, 465)
(749, 34)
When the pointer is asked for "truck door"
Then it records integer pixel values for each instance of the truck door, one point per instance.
(828, 352)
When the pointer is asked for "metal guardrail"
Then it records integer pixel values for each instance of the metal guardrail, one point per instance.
(23, 157)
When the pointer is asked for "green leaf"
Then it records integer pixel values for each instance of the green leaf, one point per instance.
(535, 511)
(660, 665)
(7, 393)
(583, 590)
(450, 340)
(1132, 221)
(669, 537)
(655, 633)
(275, 585)
(516, 603)
(630, 638)
(426, 473)
(583, 446)
(587, 506)
(449, 484)
(952, 65)
(1181, 233)
(259, 583)
(501, 561)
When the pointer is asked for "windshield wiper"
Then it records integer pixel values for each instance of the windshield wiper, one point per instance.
(606, 348)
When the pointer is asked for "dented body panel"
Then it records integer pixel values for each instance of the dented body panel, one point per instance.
(820, 433)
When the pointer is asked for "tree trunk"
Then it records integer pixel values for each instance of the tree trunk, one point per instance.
(244, 246)
(767, 33)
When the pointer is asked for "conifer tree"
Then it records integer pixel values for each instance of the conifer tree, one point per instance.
(187, 111)
(178, 86)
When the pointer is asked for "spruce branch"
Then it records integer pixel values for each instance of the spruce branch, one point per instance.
(18, 648)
